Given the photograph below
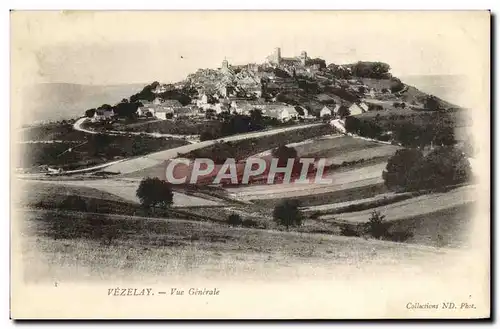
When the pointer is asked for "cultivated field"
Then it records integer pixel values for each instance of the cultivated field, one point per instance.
(120, 189)
(423, 204)
(338, 150)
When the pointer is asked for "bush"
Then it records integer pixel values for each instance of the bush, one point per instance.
(287, 213)
(234, 220)
(376, 227)
(153, 192)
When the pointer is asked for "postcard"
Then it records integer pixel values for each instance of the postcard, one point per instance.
(250, 164)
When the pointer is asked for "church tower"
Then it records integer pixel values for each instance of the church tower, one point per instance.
(225, 64)
(303, 57)
(277, 55)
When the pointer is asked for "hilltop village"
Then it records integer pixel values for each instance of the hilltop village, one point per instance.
(395, 170)
(282, 88)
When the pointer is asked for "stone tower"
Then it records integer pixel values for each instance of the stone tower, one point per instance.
(225, 64)
(303, 57)
(277, 55)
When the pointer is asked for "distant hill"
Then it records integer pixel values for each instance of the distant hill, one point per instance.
(58, 101)
(452, 88)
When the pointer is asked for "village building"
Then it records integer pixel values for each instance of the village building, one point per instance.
(281, 112)
(185, 112)
(276, 59)
(167, 109)
(164, 113)
(203, 102)
(103, 115)
(325, 111)
(144, 110)
(358, 108)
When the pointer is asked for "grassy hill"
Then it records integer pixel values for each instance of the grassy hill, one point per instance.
(84, 246)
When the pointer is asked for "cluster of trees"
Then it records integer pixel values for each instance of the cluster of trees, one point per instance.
(147, 94)
(316, 61)
(232, 124)
(409, 169)
(375, 70)
(339, 71)
(343, 93)
(124, 109)
(409, 134)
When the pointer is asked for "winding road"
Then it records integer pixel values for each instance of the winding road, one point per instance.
(78, 126)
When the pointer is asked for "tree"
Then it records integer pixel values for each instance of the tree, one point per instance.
(287, 213)
(396, 85)
(398, 167)
(283, 153)
(343, 111)
(90, 113)
(442, 167)
(256, 120)
(431, 103)
(234, 220)
(376, 227)
(153, 192)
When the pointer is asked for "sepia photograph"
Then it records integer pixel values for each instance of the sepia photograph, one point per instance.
(250, 164)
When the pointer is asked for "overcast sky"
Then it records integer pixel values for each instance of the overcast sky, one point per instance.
(140, 47)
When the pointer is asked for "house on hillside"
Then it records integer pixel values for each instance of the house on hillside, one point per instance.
(144, 110)
(163, 113)
(325, 111)
(220, 107)
(288, 113)
(167, 109)
(358, 108)
(103, 115)
(281, 112)
(204, 102)
(185, 112)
